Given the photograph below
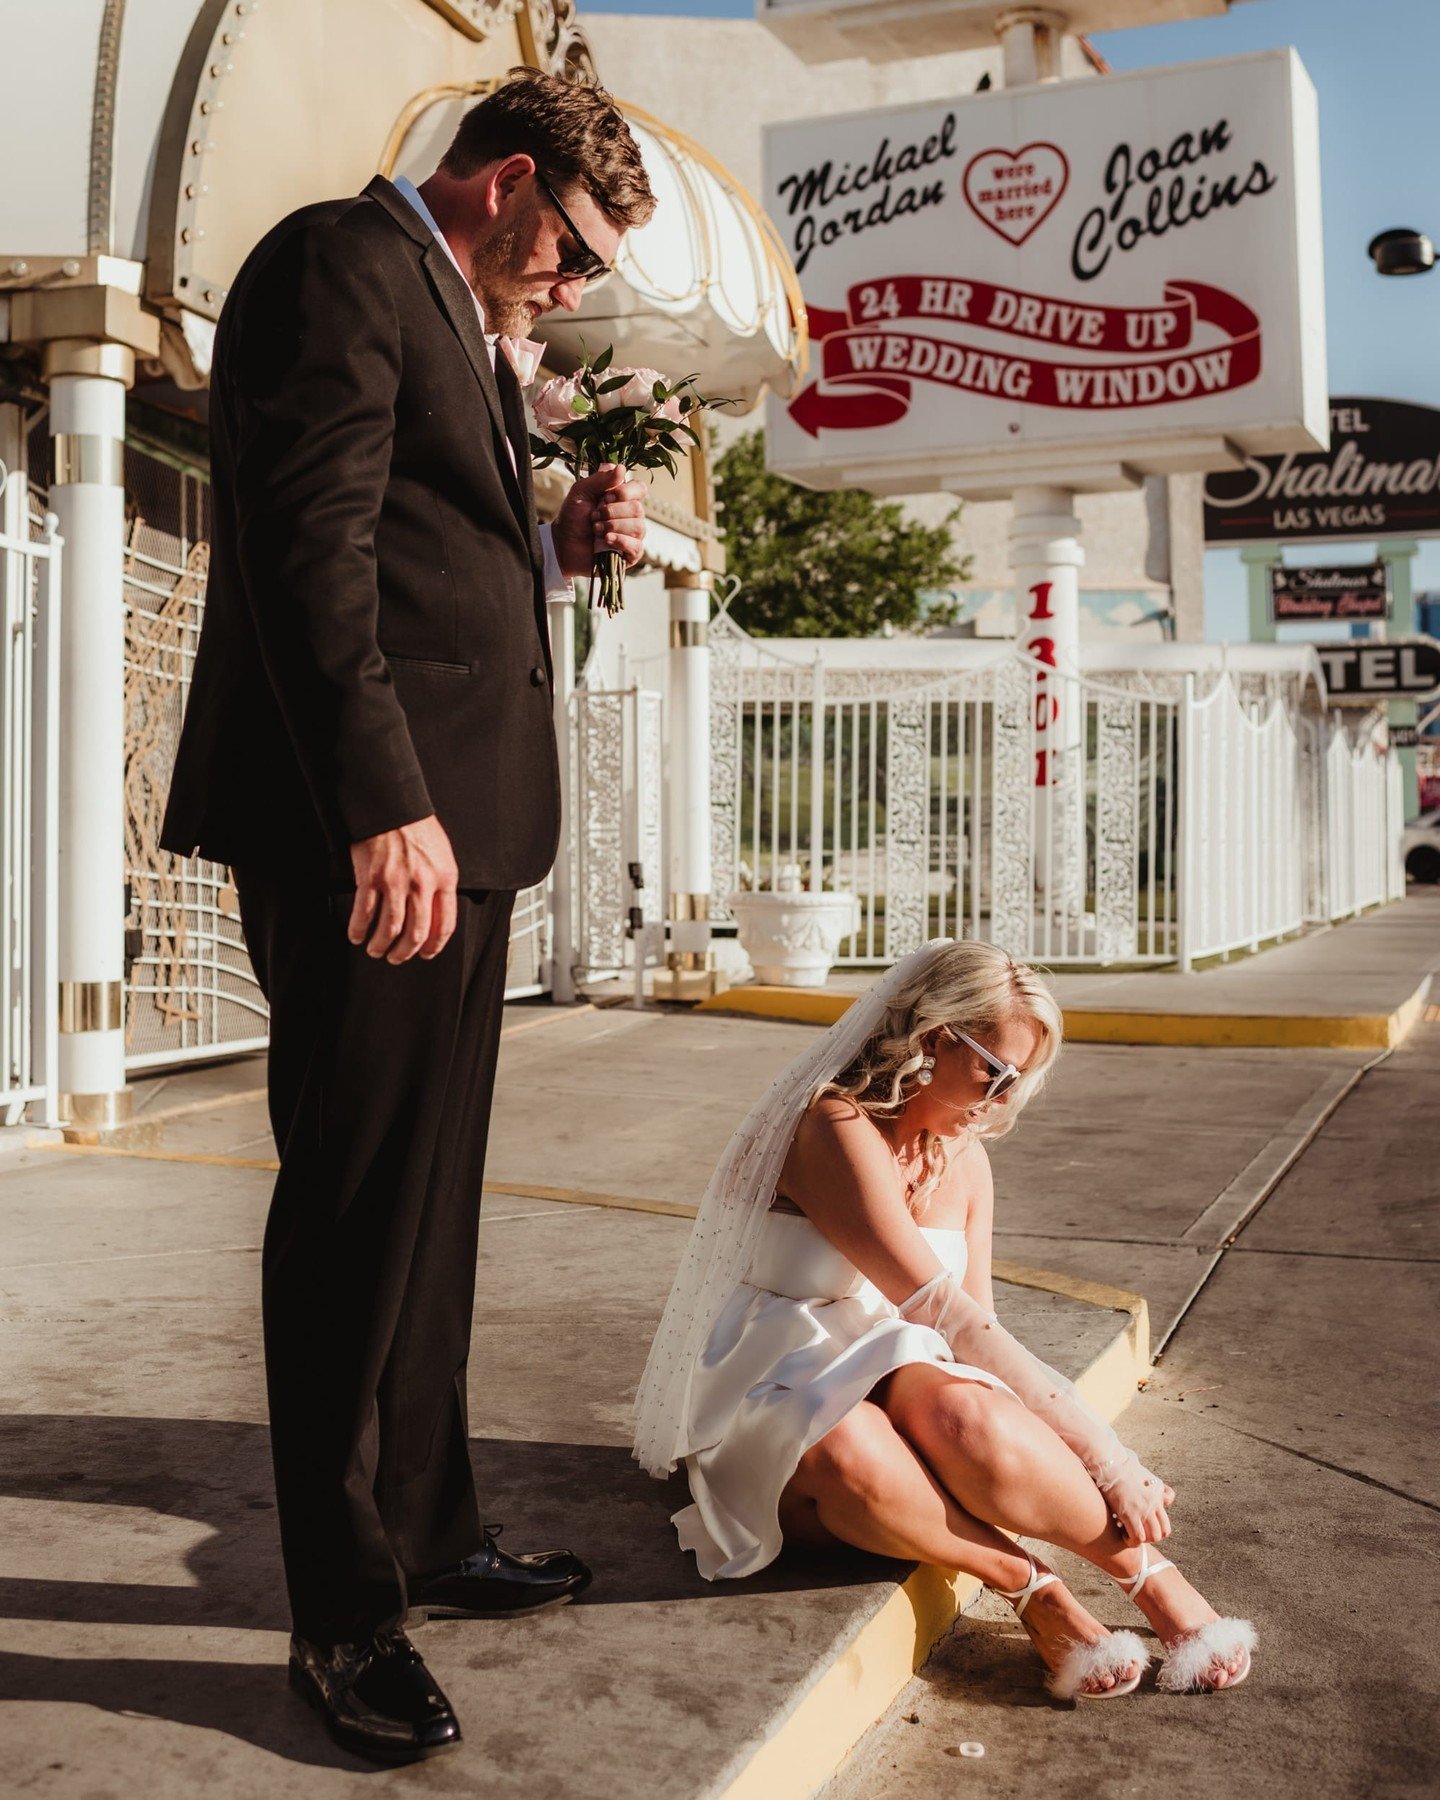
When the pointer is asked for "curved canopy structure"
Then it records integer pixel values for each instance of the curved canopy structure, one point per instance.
(198, 123)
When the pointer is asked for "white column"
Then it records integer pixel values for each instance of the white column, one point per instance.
(1046, 556)
(688, 756)
(87, 426)
(562, 887)
(1030, 38)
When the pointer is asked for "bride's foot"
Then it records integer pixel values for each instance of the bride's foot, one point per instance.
(1203, 1652)
(1084, 1660)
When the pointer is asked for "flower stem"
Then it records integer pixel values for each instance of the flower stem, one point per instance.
(607, 581)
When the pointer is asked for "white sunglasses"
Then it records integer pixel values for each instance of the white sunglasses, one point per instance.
(1007, 1074)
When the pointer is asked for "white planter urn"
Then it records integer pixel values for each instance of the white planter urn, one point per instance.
(791, 936)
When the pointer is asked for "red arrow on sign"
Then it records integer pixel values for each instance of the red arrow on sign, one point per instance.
(813, 411)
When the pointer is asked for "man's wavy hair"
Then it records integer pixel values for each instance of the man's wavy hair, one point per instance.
(971, 986)
(577, 135)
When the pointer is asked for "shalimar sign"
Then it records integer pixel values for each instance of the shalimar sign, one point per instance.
(1379, 478)
(1090, 278)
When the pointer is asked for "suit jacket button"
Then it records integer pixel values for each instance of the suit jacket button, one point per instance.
(537, 677)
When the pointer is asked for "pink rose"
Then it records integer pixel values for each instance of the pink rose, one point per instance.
(639, 391)
(524, 356)
(553, 406)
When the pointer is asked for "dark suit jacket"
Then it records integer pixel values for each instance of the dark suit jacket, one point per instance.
(375, 646)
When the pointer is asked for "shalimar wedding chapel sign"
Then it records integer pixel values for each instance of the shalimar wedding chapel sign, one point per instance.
(1379, 478)
(1076, 282)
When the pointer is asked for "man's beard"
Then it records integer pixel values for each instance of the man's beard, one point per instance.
(495, 266)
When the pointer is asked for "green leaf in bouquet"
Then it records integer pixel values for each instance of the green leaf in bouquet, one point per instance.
(602, 361)
(615, 381)
(582, 404)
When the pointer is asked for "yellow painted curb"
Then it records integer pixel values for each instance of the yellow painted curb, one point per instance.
(793, 1005)
(520, 1190)
(1094, 1025)
(853, 1694)
(855, 1691)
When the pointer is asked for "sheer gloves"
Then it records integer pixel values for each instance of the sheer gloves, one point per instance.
(1136, 1497)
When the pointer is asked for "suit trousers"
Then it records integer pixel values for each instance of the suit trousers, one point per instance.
(380, 1081)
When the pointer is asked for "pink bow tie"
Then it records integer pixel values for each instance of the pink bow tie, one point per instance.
(524, 356)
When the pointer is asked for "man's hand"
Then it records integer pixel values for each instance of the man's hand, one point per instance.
(405, 883)
(603, 511)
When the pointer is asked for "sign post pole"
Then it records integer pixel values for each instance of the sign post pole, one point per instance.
(1046, 556)
(1259, 559)
(1400, 553)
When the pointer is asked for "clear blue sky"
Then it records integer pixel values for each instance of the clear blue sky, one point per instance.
(1375, 65)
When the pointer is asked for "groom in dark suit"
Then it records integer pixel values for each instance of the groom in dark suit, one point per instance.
(369, 745)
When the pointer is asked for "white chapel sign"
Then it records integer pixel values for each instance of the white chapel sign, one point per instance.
(1072, 282)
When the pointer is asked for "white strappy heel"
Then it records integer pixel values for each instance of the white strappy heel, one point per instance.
(1083, 1662)
(1192, 1654)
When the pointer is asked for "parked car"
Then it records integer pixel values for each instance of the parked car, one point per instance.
(1420, 847)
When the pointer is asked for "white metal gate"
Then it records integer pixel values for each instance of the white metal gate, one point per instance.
(1179, 819)
(920, 796)
(1364, 815)
(29, 805)
(617, 776)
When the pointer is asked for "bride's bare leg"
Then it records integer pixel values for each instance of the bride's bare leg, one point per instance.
(864, 1485)
(1006, 1466)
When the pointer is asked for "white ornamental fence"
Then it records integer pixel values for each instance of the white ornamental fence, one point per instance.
(30, 798)
(1179, 818)
(614, 839)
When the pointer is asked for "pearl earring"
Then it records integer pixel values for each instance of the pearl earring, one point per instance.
(926, 1072)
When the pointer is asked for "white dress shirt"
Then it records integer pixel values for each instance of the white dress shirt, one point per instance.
(557, 582)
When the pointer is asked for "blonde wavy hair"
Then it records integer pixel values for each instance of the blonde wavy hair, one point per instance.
(970, 986)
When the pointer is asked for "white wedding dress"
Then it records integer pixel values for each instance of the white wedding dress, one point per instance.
(801, 1340)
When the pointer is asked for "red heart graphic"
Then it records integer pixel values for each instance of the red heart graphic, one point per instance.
(1015, 191)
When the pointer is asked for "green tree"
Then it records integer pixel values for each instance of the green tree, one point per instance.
(840, 564)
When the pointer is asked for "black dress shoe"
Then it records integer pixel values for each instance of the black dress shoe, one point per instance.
(377, 1697)
(493, 1584)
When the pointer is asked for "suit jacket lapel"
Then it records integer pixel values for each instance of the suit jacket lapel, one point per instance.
(512, 402)
(458, 303)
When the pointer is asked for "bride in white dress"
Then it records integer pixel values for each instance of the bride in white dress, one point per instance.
(830, 1369)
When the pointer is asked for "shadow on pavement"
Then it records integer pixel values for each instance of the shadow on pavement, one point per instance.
(590, 1498)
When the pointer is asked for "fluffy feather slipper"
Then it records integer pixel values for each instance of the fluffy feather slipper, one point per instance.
(1188, 1661)
(1106, 1656)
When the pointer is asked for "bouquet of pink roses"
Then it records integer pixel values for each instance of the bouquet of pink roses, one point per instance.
(632, 417)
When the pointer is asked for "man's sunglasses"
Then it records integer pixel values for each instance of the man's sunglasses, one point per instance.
(1008, 1074)
(583, 264)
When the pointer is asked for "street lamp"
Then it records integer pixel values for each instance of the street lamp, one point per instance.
(1402, 252)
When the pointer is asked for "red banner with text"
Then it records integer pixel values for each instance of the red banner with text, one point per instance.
(874, 366)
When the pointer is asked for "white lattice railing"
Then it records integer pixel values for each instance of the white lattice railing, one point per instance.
(29, 801)
(191, 990)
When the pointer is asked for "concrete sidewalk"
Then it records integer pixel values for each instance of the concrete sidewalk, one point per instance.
(1358, 985)
(144, 1633)
(140, 1583)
